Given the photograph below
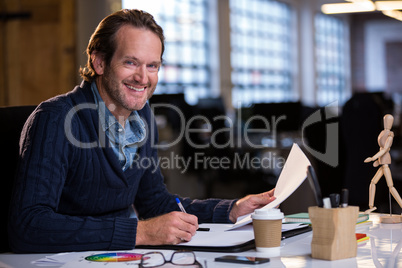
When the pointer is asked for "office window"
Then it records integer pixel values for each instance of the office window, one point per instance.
(185, 69)
(261, 52)
(330, 53)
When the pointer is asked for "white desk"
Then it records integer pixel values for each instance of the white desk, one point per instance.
(381, 250)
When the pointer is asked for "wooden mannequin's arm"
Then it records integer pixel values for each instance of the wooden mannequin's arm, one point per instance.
(383, 150)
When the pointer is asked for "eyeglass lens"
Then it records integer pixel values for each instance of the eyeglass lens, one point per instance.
(183, 258)
(153, 259)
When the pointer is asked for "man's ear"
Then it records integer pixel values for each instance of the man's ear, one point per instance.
(98, 62)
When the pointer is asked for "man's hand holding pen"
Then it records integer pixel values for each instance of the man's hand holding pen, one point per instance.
(169, 229)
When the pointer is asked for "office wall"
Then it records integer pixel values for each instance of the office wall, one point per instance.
(37, 50)
(42, 45)
(377, 34)
(370, 33)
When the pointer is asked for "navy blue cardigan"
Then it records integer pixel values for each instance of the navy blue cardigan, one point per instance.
(75, 197)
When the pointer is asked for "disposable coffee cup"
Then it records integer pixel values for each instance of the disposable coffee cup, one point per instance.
(267, 225)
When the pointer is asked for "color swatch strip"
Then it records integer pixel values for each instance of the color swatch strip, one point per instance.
(114, 257)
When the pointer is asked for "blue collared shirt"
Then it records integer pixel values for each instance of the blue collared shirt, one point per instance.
(124, 141)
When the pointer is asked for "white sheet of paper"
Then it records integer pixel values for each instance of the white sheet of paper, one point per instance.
(293, 174)
(219, 239)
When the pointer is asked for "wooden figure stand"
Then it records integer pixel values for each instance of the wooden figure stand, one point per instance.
(383, 158)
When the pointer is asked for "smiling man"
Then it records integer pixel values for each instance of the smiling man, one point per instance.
(76, 183)
(130, 79)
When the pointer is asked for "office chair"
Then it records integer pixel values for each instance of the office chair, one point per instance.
(12, 120)
(362, 119)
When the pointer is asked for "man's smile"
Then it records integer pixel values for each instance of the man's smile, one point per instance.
(136, 88)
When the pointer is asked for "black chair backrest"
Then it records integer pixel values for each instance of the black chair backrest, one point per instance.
(287, 114)
(362, 119)
(12, 120)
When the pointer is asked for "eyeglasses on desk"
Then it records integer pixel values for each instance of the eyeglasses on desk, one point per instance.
(179, 258)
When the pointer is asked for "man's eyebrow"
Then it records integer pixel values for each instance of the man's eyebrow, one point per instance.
(157, 62)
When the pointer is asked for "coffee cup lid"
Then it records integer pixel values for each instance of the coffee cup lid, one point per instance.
(267, 214)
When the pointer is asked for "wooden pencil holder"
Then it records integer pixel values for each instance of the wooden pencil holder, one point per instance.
(334, 235)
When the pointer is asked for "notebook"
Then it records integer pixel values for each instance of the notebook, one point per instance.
(304, 218)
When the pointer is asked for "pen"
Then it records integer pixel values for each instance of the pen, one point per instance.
(180, 205)
(334, 200)
(327, 202)
(184, 211)
(344, 198)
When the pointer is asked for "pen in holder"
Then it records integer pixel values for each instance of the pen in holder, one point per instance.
(334, 235)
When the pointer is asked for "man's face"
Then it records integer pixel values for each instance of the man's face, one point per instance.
(131, 78)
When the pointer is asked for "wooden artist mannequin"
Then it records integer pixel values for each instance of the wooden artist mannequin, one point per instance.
(383, 159)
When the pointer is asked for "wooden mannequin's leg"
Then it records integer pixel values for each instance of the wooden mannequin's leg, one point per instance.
(372, 189)
(390, 183)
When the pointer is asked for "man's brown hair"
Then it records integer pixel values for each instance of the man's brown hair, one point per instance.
(103, 40)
